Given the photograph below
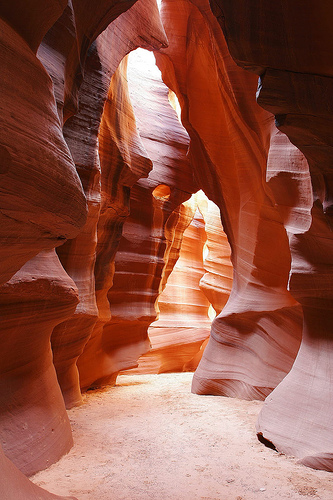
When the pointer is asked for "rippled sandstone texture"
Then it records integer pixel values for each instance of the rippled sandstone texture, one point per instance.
(296, 86)
(200, 281)
(38, 180)
(254, 340)
(127, 297)
(182, 310)
(109, 159)
(58, 108)
(34, 427)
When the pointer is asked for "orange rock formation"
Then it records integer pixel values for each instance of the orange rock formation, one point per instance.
(126, 299)
(42, 205)
(255, 338)
(295, 86)
(94, 169)
(201, 276)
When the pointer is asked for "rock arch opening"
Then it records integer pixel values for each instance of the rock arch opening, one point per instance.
(161, 192)
(195, 285)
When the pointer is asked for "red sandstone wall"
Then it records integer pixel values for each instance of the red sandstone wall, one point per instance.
(296, 86)
(70, 160)
(255, 338)
(42, 205)
(109, 159)
(199, 255)
(127, 296)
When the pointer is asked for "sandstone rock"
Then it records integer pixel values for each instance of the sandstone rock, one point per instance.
(32, 20)
(182, 323)
(269, 31)
(71, 142)
(139, 260)
(246, 354)
(123, 160)
(34, 427)
(14, 485)
(183, 311)
(35, 161)
(92, 19)
(74, 58)
(37, 167)
(217, 280)
(140, 25)
(295, 86)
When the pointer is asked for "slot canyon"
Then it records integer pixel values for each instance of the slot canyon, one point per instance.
(166, 227)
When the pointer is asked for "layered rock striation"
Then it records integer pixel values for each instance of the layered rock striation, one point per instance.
(295, 86)
(254, 340)
(44, 202)
(128, 294)
(95, 168)
(109, 158)
(197, 287)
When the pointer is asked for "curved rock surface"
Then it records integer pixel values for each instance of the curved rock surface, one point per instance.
(217, 280)
(34, 426)
(129, 295)
(295, 86)
(182, 324)
(139, 26)
(200, 281)
(34, 160)
(81, 153)
(14, 485)
(255, 339)
(38, 180)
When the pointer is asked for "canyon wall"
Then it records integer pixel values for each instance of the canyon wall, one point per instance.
(295, 85)
(129, 293)
(198, 285)
(95, 227)
(255, 338)
(52, 191)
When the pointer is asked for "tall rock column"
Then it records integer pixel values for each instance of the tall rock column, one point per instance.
(42, 205)
(34, 427)
(296, 85)
(254, 340)
(37, 179)
(307, 388)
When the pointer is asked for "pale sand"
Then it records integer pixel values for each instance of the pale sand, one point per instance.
(149, 438)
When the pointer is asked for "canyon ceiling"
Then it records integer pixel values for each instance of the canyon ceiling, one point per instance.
(116, 219)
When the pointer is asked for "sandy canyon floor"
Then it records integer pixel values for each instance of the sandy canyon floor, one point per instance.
(149, 438)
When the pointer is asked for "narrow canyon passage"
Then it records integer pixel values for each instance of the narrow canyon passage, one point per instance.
(166, 249)
(149, 438)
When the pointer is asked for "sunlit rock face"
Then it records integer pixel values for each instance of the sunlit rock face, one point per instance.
(295, 85)
(126, 298)
(183, 323)
(254, 340)
(43, 203)
(201, 271)
(216, 283)
(94, 172)
(139, 26)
